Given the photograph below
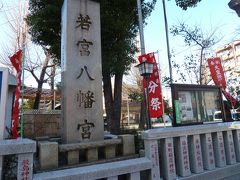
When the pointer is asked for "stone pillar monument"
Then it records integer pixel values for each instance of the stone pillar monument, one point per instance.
(82, 107)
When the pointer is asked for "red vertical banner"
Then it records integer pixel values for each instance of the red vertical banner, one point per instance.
(218, 77)
(16, 61)
(217, 72)
(154, 87)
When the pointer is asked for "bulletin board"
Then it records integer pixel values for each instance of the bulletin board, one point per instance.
(196, 104)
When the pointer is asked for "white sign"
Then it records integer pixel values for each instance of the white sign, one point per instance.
(3, 98)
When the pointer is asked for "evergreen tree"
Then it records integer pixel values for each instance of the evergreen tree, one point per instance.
(119, 28)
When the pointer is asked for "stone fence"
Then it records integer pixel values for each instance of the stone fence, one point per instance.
(57, 156)
(110, 171)
(109, 166)
(210, 151)
(24, 149)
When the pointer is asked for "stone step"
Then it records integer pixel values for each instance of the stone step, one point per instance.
(90, 163)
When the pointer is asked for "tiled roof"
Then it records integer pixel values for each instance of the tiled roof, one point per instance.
(47, 94)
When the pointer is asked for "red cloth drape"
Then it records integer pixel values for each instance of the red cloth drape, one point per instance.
(218, 77)
(16, 61)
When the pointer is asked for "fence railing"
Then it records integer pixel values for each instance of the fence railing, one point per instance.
(24, 149)
(131, 168)
(210, 151)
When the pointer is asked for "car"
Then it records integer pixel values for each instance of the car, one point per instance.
(217, 116)
(235, 114)
(167, 119)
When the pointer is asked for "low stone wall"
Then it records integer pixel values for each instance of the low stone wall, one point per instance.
(51, 153)
(39, 123)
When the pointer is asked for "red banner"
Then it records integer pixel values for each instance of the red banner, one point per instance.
(218, 77)
(154, 87)
(217, 72)
(16, 61)
(233, 101)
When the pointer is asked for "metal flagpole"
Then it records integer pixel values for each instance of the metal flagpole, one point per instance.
(159, 70)
(22, 92)
(24, 34)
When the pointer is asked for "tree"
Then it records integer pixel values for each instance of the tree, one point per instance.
(43, 77)
(33, 58)
(44, 25)
(46, 33)
(119, 28)
(119, 25)
(134, 90)
(184, 4)
(194, 37)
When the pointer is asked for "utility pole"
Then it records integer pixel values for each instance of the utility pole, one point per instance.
(142, 44)
(167, 39)
(140, 21)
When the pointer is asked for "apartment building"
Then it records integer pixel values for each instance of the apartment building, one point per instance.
(230, 55)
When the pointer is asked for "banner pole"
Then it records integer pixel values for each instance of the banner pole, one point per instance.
(24, 34)
(22, 93)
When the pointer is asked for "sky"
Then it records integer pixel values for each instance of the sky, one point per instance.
(209, 15)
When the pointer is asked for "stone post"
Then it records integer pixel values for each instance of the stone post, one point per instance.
(195, 154)
(73, 157)
(82, 112)
(182, 156)
(167, 159)
(135, 175)
(48, 155)
(219, 150)
(110, 151)
(151, 152)
(229, 147)
(25, 166)
(207, 151)
(128, 144)
(236, 139)
(24, 149)
(92, 154)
